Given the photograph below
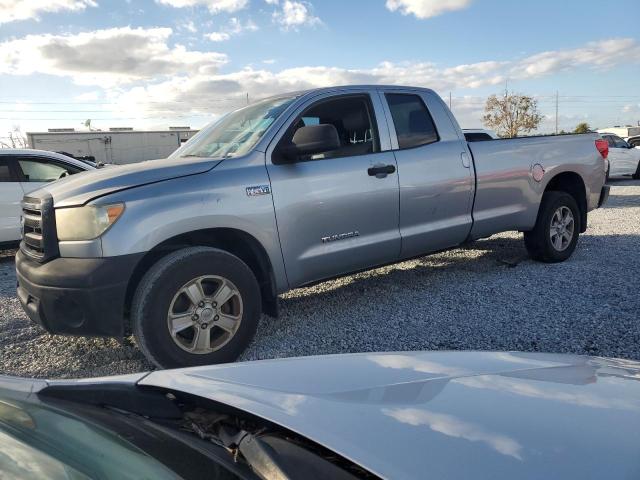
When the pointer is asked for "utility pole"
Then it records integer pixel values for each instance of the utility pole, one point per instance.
(449, 100)
(247, 98)
(556, 112)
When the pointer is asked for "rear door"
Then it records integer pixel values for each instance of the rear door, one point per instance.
(334, 213)
(11, 194)
(434, 171)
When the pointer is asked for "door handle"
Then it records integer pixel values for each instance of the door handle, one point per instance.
(381, 171)
(465, 160)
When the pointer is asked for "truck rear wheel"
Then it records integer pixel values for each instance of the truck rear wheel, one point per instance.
(636, 176)
(555, 235)
(196, 306)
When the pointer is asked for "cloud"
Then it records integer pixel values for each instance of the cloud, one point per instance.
(217, 92)
(144, 75)
(292, 14)
(235, 27)
(14, 10)
(599, 54)
(189, 26)
(105, 57)
(426, 8)
(214, 6)
(454, 427)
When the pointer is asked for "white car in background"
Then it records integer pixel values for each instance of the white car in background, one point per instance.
(623, 158)
(23, 171)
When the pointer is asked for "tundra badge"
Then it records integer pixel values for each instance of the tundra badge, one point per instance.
(340, 236)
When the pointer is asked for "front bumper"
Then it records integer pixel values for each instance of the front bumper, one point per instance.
(604, 195)
(76, 296)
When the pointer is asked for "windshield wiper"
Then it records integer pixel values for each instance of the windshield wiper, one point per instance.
(255, 452)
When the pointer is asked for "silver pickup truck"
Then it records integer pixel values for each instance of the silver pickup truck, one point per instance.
(188, 252)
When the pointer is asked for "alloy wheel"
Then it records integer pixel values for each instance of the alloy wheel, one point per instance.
(205, 314)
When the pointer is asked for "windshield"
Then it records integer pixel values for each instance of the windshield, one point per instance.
(236, 133)
(40, 441)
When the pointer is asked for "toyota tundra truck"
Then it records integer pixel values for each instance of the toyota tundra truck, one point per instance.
(188, 252)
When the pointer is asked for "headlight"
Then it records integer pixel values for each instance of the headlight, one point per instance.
(88, 222)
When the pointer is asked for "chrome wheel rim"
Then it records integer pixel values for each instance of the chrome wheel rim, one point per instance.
(205, 314)
(562, 228)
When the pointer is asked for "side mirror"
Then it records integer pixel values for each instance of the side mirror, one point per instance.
(311, 140)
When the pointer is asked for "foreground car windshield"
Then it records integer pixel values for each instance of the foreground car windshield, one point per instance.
(236, 133)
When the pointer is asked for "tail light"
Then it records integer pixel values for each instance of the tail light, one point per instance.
(603, 147)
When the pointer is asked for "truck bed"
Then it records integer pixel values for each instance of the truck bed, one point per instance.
(507, 196)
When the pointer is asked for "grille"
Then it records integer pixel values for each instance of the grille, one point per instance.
(38, 228)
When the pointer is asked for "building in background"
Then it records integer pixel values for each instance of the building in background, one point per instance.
(117, 145)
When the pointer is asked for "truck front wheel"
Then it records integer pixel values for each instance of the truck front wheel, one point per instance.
(196, 306)
(555, 235)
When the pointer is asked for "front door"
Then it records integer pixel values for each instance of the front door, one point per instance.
(10, 197)
(336, 211)
(621, 158)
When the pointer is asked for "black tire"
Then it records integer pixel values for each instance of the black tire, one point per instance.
(154, 295)
(636, 176)
(538, 241)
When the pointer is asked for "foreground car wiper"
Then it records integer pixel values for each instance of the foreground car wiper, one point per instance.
(255, 452)
(269, 454)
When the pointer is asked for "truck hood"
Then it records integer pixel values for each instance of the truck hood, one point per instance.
(444, 414)
(83, 187)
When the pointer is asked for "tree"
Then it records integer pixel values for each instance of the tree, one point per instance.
(582, 127)
(87, 123)
(17, 138)
(511, 114)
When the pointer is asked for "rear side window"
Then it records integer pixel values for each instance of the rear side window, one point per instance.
(414, 126)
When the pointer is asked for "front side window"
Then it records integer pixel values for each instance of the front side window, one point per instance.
(236, 133)
(414, 126)
(41, 170)
(353, 119)
(619, 143)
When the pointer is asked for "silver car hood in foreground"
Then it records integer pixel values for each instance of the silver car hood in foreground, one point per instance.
(79, 189)
(444, 414)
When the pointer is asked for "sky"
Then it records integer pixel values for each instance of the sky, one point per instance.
(159, 63)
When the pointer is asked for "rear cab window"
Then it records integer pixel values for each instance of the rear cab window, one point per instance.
(477, 137)
(413, 123)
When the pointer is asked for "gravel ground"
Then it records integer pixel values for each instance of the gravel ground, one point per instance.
(488, 296)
